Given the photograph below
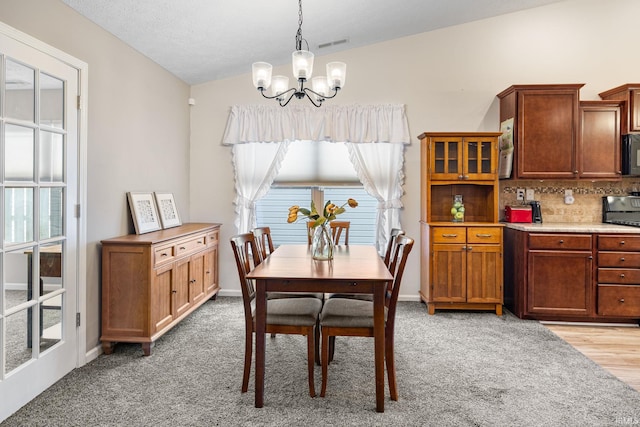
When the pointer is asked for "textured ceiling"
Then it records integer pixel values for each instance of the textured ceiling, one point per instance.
(203, 40)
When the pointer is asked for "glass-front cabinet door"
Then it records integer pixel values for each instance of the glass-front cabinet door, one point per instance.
(481, 159)
(458, 158)
(446, 158)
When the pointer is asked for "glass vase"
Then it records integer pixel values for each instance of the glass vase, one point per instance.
(322, 243)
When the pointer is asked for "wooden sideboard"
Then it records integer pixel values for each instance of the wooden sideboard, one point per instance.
(152, 281)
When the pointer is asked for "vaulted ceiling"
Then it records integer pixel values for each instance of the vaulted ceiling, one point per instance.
(203, 40)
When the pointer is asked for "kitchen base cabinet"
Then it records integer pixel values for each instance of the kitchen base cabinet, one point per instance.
(619, 275)
(150, 282)
(466, 269)
(587, 277)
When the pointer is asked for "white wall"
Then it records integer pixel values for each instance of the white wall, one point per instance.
(448, 79)
(138, 130)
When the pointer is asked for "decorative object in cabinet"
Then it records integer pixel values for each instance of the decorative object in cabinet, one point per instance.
(461, 265)
(545, 133)
(630, 93)
(151, 282)
(619, 276)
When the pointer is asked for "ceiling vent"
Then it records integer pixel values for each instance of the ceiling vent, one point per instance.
(333, 43)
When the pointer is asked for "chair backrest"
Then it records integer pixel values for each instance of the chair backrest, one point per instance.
(338, 229)
(391, 245)
(263, 240)
(247, 255)
(403, 246)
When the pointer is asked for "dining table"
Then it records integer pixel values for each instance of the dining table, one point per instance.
(354, 269)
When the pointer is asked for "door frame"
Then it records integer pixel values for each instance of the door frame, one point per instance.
(80, 210)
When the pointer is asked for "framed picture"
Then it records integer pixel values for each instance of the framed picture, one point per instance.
(144, 212)
(167, 210)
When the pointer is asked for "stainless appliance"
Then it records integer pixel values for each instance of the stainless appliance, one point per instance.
(536, 212)
(621, 210)
(631, 154)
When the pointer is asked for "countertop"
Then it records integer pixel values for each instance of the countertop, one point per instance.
(573, 227)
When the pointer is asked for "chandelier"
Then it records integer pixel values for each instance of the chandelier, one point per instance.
(322, 87)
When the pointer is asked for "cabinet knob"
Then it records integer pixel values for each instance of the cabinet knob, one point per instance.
(192, 281)
(621, 300)
(469, 248)
(622, 242)
(460, 177)
(621, 259)
(466, 177)
(575, 172)
(561, 241)
(622, 276)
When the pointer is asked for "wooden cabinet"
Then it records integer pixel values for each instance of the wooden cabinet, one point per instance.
(559, 274)
(630, 94)
(461, 265)
(555, 276)
(466, 268)
(461, 157)
(599, 140)
(619, 276)
(152, 281)
(545, 129)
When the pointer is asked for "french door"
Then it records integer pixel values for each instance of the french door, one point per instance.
(39, 166)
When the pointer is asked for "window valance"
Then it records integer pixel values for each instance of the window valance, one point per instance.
(336, 123)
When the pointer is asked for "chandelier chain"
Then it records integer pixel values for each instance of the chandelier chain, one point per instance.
(299, 38)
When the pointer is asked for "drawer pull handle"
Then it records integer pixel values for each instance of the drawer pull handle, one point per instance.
(199, 242)
(192, 281)
(164, 254)
(622, 242)
(561, 241)
(483, 235)
(449, 235)
(621, 259)
(621, 300)
(174, 291)
(182, 248)
(622, 276)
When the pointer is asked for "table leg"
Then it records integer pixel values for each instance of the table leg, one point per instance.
(261, 320)
(378, 332)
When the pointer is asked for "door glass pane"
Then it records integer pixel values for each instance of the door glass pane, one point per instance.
(472, 157)
(452, 155)
(51, 157)
(17, 274)
(18, 153)
(51, 321)
(51, 101)
(20, 91)
(486, 157)
(50, 268)
(51, 204)
(439, 157)
(17, 345)
(18, 215)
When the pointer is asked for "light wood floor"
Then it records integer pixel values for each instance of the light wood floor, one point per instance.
(615, 348)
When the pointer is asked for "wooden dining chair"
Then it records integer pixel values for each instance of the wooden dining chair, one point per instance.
(395, 232)
(338, 229)
(354, 317)
(264, 243)
(298, 316)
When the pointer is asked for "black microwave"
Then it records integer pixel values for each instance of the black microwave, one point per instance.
(631, 154)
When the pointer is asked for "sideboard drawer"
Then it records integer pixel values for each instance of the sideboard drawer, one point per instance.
(619, 275)
(192, 245)
(484, 235)
(163, 254)
(619, 259)
(619, 300)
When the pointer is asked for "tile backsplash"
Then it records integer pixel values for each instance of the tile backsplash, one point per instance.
(587, 206)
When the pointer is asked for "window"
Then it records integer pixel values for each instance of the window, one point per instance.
(272, 210)
(318, 171)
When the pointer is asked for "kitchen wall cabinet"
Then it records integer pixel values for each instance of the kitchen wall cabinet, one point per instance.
(461, 262)
(152, 281)
(545, 129)
(630, 94)
(572, 276)
(598, 154)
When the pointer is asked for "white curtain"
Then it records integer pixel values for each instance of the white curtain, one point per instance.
(255, 167)
(375, 134)
(379, 168)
